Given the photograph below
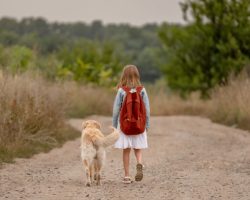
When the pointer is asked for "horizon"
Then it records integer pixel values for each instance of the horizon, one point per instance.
(89, 23)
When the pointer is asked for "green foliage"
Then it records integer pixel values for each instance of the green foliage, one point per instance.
(148, 62)
(16, 59)
(8, 38)
(91, 63)
(213, 45)
(48, 40)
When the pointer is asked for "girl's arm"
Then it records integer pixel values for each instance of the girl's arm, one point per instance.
(146, 102)
(116, 107)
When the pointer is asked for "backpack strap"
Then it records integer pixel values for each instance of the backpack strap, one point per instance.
(126, 89)
(139, 89)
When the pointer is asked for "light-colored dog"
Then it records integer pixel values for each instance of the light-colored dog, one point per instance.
(93, 144)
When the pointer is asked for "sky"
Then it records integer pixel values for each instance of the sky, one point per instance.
(135, 12)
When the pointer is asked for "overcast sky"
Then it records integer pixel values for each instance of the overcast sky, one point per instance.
(136, 12)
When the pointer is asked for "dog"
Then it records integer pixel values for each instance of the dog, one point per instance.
(93, 144)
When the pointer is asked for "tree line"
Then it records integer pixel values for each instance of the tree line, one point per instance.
(80, 47)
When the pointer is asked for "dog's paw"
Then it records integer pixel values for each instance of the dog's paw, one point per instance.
(88, 184)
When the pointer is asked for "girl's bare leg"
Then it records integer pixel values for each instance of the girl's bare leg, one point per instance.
(126, 153)
(138, 155)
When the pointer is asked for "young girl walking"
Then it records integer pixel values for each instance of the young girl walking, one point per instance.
(130, 82)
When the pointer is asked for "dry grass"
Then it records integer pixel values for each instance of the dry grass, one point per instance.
(88, 100)
(32, 116)
(33, 111)
(230, 105)
(163, 102)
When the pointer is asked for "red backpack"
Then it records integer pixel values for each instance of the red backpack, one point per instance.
(133, 112)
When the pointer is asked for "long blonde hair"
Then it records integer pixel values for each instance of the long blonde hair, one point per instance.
(130, 77)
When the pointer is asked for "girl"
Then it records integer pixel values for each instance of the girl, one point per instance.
(130, 77)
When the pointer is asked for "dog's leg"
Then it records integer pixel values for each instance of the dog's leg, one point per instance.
(91, 170)
(98, 175)
(87, 171)
(99, 164)
(95, 169)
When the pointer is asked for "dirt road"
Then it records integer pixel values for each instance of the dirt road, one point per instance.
(188, 158)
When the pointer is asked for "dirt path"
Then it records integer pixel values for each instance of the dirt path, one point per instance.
(188, 158)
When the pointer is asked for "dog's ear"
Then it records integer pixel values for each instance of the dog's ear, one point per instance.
(98, 125)
(84, 125)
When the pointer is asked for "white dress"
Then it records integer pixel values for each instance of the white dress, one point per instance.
(131, 141)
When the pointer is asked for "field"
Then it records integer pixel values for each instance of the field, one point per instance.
(35, 111)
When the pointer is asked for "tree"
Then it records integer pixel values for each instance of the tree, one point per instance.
(147, 63)
(91, 62)
(16, 59)
(214, 44)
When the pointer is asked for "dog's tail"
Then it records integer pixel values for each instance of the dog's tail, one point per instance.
(109, 139)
